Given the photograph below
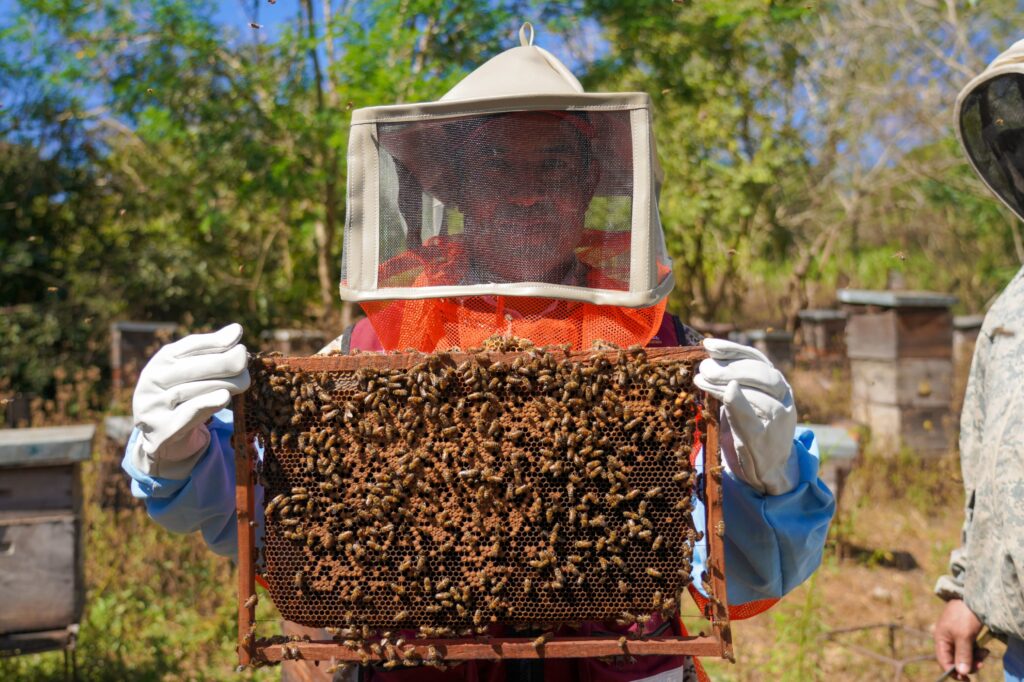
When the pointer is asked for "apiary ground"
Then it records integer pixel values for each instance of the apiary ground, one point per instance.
(898, 523)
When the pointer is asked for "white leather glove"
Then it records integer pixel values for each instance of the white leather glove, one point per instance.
(758, 415)
(181, 387)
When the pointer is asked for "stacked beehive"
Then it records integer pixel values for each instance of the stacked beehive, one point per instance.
(41, 586)
(900, 346)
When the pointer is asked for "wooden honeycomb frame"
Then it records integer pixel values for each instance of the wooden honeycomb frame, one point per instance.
(717, 642)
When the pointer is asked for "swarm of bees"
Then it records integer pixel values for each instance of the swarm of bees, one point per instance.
(532, 489)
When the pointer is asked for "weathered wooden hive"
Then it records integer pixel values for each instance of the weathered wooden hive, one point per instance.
(41, 585)
(900, 346)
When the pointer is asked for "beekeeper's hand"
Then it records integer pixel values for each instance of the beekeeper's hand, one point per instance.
(955, 634)
(758, 415)
(181, 387)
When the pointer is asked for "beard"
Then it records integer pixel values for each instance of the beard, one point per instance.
(539, 251)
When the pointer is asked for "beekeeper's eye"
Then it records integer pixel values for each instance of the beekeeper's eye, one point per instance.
(554, 164)
(494, 158)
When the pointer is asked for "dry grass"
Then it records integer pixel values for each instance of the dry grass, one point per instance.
(889, 545)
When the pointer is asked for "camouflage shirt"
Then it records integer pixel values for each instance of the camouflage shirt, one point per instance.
(987, 570)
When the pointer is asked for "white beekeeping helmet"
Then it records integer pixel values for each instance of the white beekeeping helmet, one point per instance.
(990, 126)
(515, 191)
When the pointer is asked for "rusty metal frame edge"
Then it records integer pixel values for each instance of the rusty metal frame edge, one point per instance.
(713, 521)
(252, 651)
(245, 456)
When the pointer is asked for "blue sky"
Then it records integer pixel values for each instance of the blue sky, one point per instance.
(235, 15)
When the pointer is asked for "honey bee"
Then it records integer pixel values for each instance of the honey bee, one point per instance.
(653, 572)
(272, 505)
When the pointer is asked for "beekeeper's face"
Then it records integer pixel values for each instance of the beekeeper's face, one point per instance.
(992, 132)
(529, 181)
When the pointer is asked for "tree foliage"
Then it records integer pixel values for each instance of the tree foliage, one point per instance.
(157, 165)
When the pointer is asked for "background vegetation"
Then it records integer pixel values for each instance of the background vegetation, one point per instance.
(157, 163)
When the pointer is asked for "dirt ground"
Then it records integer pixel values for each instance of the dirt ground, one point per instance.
(891, 539)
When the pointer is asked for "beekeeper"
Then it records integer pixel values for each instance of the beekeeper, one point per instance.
(985, 583)
(517, 205)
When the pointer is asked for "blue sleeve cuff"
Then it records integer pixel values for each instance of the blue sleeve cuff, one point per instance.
(772, 542)
(204, 501)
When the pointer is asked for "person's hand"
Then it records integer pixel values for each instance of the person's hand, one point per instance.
(181, 387)
(955, 634)
(758, 415)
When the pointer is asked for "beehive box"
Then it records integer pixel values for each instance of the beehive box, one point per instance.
(443, 494)
(41, 552)
(822, 334)
(132, 344)
(900, 345)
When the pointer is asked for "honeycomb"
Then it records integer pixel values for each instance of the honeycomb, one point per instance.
(447, 492)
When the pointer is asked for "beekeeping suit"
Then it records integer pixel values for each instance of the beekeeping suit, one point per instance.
(985, 583)
(522, 206)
